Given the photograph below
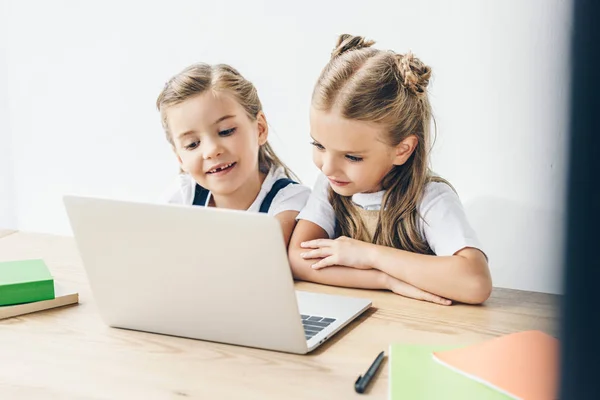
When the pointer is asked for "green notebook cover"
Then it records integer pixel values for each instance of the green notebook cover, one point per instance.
(25, 281)
(415, 375)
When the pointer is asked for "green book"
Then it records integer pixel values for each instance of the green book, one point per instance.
(415, 375)
(25, 281)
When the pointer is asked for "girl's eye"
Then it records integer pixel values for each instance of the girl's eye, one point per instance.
(227, 132)
(354, 158)
(317, 145)
(193, 145)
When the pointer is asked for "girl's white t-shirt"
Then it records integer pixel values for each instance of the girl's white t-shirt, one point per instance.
(444, 224)
(293, 197)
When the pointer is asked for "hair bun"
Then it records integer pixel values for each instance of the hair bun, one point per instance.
(348, 42)
(415, 75)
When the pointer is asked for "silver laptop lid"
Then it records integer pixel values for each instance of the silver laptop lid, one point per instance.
(178, 270)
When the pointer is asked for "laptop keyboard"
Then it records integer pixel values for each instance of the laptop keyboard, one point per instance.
(314, 324)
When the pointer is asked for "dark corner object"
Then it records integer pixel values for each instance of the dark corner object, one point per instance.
(580, 322)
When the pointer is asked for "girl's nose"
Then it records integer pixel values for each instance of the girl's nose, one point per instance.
(328, 167)
(211, 149)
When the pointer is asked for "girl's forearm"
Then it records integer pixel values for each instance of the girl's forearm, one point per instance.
(464, 278)
(336, 276)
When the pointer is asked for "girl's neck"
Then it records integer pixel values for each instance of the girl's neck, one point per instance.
(243, 197)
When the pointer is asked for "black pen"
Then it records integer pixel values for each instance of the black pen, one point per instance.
(363, 381)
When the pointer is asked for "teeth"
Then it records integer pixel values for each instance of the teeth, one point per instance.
(220, 168)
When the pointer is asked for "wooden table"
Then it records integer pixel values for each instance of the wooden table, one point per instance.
(5, 232)
(71, 353)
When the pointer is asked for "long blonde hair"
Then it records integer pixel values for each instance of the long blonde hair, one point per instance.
(367, 84)
(201, 77)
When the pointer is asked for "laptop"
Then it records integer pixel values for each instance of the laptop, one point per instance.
(202, 273)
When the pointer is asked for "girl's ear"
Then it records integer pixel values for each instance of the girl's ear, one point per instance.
(405, 149)
(263, 128)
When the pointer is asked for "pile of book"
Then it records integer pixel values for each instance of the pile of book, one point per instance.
(27, 286)
(522, 365)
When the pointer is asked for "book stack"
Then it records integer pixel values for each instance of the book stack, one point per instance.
(27, 286)
(521, 365)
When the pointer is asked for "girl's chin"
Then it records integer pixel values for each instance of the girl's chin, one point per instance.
(343, 191)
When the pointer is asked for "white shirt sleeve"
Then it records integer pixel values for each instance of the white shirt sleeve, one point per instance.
(293, 197)
(318, 210)
(181, 191)
(445, 226)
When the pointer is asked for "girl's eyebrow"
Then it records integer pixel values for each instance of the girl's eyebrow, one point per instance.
(223, 118)
(341, 151)
(353, 151)
(190, 132)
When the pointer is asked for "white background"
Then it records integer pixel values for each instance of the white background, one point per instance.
(79, 80)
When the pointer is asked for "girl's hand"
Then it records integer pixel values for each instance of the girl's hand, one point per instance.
(407, 290)
(342, 251)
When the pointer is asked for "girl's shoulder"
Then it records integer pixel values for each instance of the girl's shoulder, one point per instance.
(438, 187)
(292, 197)
(444, 222)
(436, 193)
(180, 190)
(278, 173)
